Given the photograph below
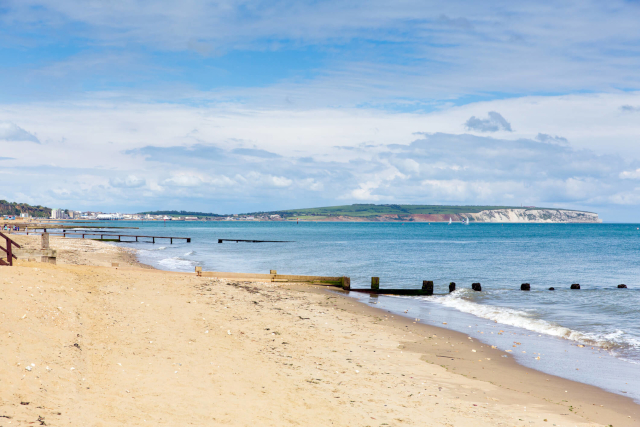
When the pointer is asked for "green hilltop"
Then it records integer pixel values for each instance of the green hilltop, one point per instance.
(13, 208)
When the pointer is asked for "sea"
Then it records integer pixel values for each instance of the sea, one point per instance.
(591, 335)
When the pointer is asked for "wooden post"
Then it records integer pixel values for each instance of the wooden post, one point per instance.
(199, 271)
(154, 240)
(136, 238)
(346, 283)
(452, 287)
(188, 239)
(427, 285)
(9, 253)
(525, 287)
(575, 286)
(44, 241)
(375, 283)
(171, 239)
(476, 287)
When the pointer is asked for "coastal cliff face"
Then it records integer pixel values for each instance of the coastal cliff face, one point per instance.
(533, 215)
(493, 215)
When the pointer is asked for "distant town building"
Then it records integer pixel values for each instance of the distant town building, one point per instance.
(25, 215)
(57, 214)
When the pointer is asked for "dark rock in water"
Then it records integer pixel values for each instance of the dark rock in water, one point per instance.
(525, 287)
(427, 285)
(452, 286)
(552, 288)
(476, 287)
(575, 286)
(622, 286)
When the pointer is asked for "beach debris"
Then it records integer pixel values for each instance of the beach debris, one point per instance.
(72, 368)
(229, 332)
(28, 368)
(473, 351)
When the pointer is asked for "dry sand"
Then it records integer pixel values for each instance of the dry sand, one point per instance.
(86, 344)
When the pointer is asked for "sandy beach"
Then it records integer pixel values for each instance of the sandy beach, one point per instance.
(84, 343)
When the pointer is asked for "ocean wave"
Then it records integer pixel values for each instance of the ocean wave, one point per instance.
(160, 248)
(190, 253)
(526, 320)
(176, 263)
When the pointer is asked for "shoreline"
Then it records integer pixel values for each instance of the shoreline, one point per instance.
(347, 335)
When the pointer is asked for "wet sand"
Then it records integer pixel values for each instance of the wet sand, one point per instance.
(156, 348)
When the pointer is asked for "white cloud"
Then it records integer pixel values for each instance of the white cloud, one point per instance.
(634, 174)
(11, 132)
(494, 123)
(130, 181)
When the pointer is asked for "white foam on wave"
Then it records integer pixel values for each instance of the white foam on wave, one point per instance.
(190, 253)
(176, 263)
(526, 320)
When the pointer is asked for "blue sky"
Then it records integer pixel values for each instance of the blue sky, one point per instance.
(235, 106)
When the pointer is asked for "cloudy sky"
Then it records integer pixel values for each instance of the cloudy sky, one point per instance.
(236, 106)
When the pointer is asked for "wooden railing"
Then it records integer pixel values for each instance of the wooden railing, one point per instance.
(8, 251)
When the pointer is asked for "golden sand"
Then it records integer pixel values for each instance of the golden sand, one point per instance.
(85, 344)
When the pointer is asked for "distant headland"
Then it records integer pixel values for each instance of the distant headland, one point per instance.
(402, 213)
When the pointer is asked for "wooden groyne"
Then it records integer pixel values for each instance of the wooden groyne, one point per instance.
(116, 237)
(428, 288)
(273, 276)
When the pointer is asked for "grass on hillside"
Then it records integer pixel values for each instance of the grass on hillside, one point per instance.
(367, 210)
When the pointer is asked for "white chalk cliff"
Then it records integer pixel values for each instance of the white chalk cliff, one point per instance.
(533, 215)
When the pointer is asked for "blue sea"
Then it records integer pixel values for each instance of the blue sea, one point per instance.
(591, 335)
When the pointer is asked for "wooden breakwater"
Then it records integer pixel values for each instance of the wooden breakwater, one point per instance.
(273, 276)
(115, 237)
(428, 288)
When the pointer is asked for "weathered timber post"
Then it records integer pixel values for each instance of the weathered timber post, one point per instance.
(452, 287)
(199, 271)
(622, 286)
(476, 287)
(346, 283)
(427, 286)
(375, 283)
(525, 287)
(44, 242)
(575, 286)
